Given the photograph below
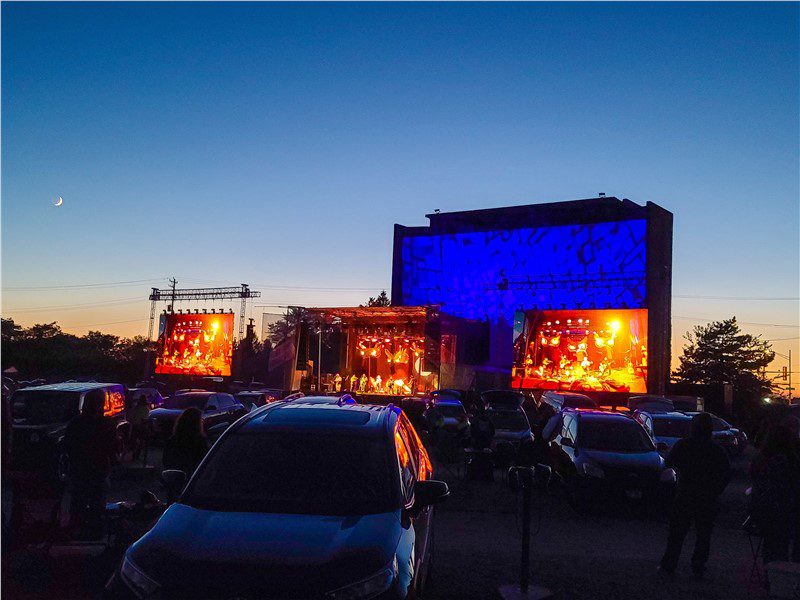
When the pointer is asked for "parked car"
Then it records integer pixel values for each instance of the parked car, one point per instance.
(510, 425)
(220, 410)
(600, 453)
(554, 402)
(454, 416)
(340, 400)
(332, 503)
(502, 399)
(151, 395)
(666, 428)
(40, 416)
(255, 399)
(415, 407)
(733, 440)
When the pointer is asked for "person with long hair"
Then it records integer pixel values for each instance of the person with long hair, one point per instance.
(188, 444)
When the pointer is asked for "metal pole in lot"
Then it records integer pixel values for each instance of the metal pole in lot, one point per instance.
(526, 482)
(524, 478)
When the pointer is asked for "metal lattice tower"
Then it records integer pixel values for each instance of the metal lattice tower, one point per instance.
(172, 295)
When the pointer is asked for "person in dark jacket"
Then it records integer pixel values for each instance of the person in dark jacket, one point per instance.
(703, 473)
(482, 429)
(90, 444)
(773, 503)
(188, 444)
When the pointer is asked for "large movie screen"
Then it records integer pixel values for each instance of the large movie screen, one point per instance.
(582, 350)
(199, 344)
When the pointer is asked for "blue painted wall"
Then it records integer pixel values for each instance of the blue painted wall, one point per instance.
(489, 275)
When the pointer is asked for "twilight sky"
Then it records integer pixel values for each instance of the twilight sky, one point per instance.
(277, 144)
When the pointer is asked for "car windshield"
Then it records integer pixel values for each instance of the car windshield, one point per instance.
(451, 410)
(616, 435)
(513, 420)
(719, 424)
(42, 407)
(296, 472)
(579, 402)
(184, 401)
(674, 428)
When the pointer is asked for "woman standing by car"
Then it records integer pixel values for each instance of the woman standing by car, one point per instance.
(188, 444)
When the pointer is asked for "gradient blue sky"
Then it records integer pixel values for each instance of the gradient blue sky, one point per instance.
(278, 144)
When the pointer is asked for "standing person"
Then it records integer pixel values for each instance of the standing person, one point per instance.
(482, 429)
(188, 444)
(703, 473)
(775, 472)
(90, 444)
(137, 416)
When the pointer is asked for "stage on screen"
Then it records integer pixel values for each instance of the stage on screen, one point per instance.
(195, 344)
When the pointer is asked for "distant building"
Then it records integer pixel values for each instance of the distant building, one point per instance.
(573, 295)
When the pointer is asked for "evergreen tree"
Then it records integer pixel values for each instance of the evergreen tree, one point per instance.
(719, 353)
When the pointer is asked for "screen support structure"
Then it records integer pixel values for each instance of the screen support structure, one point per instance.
(172, 295)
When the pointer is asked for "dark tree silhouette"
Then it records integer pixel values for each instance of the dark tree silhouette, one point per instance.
(381, 300)
(719, 353)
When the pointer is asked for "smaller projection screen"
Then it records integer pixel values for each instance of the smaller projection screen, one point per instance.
(198, 344)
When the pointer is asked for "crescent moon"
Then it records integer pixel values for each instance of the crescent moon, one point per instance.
(60, 201)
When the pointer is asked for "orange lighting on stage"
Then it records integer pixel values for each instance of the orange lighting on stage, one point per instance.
(195, 344)
(583, 350)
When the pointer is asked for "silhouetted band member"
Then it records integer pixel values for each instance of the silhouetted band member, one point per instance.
(703, 473)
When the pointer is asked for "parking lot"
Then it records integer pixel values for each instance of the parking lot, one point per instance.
(608, 552)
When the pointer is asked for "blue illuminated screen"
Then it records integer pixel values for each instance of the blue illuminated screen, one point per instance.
(491, 274)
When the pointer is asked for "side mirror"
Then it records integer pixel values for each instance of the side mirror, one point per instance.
(567, 442)
(430, 492)
(174, 480)
(210, 408)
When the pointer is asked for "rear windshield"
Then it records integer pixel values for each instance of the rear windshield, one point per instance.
(512, 420)
(183, 401)
(579, 402)
(44, 407)
(613, 436)
(675, 428)
(296, 472)
(451, 410)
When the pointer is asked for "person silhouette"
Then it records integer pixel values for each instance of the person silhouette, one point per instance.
(703, 472)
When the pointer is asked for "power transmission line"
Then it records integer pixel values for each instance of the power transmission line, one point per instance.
(78, 306)
(767, 298)
(738, 321)
(80, 285)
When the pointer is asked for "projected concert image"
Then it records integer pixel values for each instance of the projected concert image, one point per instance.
(582, 350)
(199, 344)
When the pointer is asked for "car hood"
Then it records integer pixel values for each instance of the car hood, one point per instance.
(50, 429)
(624, 461)
(209, 553)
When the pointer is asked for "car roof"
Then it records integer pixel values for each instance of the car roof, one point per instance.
(448, 401)
(597, 414)
(362, 419)
(673, 414)
(69, 387)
